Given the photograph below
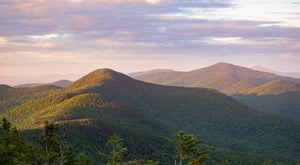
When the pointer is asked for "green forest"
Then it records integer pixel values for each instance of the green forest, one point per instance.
(52, 147)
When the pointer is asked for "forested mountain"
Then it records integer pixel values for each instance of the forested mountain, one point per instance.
(105, 102)
(260, 90)
(279, 97)
(13, 97)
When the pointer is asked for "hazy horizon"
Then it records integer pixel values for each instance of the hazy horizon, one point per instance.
(14, 80)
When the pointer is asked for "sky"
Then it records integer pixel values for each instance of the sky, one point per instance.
(78, 36)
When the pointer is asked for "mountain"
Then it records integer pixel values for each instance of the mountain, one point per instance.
(287, 74)
(12, 97)
(243, 84)
(227, 78)
(149, 72)
(276, 87)
(279, 97)
(59, 83)
(107, 100)
(15, 80)
(62, 83)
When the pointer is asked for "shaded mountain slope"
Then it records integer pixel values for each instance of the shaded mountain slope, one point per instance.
(279, 97)
(12, 97)
(285, 104)
(114, 98)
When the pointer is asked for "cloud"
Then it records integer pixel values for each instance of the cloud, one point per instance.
(286, 56)
(119, 2)
(153, 1)
(2, 40)
(291, 57)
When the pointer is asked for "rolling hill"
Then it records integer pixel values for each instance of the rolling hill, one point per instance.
(114, 100)
(260, 90)
(12, 97)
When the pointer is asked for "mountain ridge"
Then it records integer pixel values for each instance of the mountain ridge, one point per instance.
(218, 76)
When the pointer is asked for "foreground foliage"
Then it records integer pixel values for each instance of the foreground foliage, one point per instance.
(13, 147)
(188, 148)
(50, 150)
(116, 155)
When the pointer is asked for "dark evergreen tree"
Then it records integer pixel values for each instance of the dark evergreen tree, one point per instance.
(51, 149)
(84, 159)
(116, 154)
(224, 162)
(13, 147)
(48, 144)
(188, 149)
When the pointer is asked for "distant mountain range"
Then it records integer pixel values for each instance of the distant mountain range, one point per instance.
(42, 79)
(227, 78)
(106, 102)
(60, 83)
(244, 84)
(287, 74)
(149, 72)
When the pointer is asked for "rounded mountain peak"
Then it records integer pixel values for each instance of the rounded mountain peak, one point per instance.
(98, 77)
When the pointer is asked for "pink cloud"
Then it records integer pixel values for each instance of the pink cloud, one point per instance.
(92, 3)
(285, 56)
